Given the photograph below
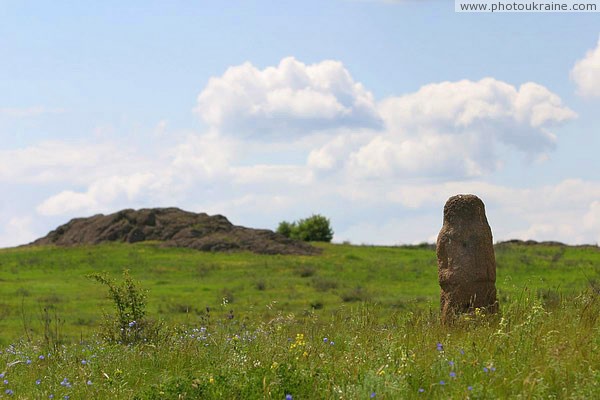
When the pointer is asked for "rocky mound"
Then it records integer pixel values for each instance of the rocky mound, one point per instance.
(174, 228)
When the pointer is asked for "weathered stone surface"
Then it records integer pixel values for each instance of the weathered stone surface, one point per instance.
(466, 261)
(173, 228)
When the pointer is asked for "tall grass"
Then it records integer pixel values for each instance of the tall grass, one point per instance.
(533, 349)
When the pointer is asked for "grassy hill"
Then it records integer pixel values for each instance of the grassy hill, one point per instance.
(183, 283)
(356, 322)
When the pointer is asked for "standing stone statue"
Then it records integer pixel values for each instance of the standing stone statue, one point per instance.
(466, 262)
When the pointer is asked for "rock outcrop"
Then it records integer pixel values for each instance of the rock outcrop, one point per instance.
(466, 261)
(173, 228)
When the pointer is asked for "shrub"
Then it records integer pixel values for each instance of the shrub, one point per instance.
(129, 324)
(285, 228)
(315, 228)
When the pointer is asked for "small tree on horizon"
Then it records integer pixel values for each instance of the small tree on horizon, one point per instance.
(315, 228)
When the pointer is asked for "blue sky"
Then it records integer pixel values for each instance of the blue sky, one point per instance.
(370, 112)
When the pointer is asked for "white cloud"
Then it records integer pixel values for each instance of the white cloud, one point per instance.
(567, 211)
(592, 221)
(291, 98)
(586, 73)
(18, 230)
(272, 174)
(205, 156)
(162, 176)
(99, 195)
(55, 161)
(453, 129)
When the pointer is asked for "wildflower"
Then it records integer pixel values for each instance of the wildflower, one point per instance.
(38, 381)
(51, 396)
(452, 374)
(28, 361)
(288, 397)
(451, 363)
(9, 392)
(89, 382)
(372, 394)
(2, 375)
(6, 381)
(325, 340)
(462, 351)
(493, 369)
(470, 388)
(486, 370)
(332, 343)
(132, 324)
(41, 357)
(421, 390)
(442, 383)
(83, 362)
(440, 347)
(66, 397)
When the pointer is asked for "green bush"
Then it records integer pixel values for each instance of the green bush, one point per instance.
(286, 228)
(315, 228)
(129, 323)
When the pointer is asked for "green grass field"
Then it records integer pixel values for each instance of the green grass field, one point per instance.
(250, 326)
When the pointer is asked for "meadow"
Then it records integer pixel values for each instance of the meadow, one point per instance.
(356, 322)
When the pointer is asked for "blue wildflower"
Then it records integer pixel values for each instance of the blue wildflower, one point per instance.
(372, 394)
(442, 382)
(38, 381)
(288, 397)
(470, 388)
(486, 370)
(452, 374)
(83, 362)
(451, 363)
(421, 390)
(332, 343)
(6, 381)
(493, 369)
(89, 382)
(2, 375)
(325, 340)
(440, 347)
(51, 396)
(41, 357)
(9, 392)
(28, 361)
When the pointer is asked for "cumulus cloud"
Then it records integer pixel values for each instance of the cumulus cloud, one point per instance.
(454, 129)
(291, 98)
(586, 73)
(99, 195)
